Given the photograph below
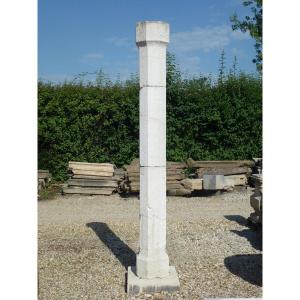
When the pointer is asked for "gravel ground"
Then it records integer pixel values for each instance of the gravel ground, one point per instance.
(86, 244)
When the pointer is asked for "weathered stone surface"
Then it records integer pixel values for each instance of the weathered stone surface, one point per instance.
(104, 167)
(192, 184)
(94, 173)
(224, 171)
(152, 260)
(256, 199)
(95, 177)
(219, 163)
(153, 126)
(179, 192)
(92, 183)
(213, 182)
(233, 180)
(136, 285)
(256, 203)
(152, 39)
(87, 191)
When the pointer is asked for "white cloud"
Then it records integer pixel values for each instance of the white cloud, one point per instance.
(93, 56)
(190, 64)
(204, 38)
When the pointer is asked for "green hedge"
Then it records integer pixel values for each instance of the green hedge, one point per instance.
(100, 123)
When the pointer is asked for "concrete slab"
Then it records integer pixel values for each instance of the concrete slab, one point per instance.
(136, 285)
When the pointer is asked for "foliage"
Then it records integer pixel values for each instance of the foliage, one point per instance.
(100, 122)
(253, 25)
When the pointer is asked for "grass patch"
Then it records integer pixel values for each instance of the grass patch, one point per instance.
(50, 192)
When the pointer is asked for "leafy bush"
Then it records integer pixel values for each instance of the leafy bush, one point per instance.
(100, 122)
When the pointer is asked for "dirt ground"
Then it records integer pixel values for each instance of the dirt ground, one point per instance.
(87, 243)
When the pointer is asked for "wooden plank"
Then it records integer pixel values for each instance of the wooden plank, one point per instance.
(94, 173)
(219, 163)
(87, 191)
(92, 183)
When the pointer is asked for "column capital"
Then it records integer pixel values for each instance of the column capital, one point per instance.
(152, 31)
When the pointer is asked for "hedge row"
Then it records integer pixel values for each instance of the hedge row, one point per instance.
(100, 123)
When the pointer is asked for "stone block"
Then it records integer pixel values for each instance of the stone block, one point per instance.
(153, 65)
(214, 182)
(233, 180)
(152, 31)
(136, 285)
(152, 39)
(153, 126)
(256, 203)
(192, 184)
(152, 260)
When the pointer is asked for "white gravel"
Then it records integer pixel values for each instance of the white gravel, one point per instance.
(85, 244)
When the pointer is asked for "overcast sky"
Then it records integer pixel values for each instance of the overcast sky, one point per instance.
(78, 36)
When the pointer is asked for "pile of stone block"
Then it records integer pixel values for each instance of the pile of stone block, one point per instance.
(131, 181)
(258, 161)
(222, 175)
(44, 178)
(175, 173)
(92, 178)
(256, 199)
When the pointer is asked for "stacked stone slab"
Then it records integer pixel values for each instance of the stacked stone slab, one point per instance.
(235, 172)
(256, 199)
(44, 178)
(258, 165)
(175, 173)
(92, 179)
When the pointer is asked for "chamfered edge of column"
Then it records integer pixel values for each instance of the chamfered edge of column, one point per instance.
(152, 31)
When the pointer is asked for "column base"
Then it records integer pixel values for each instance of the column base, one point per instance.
(136, 285)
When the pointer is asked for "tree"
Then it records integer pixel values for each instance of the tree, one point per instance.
(222, 67)
(253, 25)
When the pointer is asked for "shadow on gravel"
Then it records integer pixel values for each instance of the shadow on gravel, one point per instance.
(121, 251)
(239, 219)
(252, 234)
(248, 267)
(253, 237)
(129, 195)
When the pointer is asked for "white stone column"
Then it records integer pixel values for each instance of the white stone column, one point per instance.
(152, 272)
(152, 39)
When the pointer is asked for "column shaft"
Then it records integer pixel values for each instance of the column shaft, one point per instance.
(152, 259)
